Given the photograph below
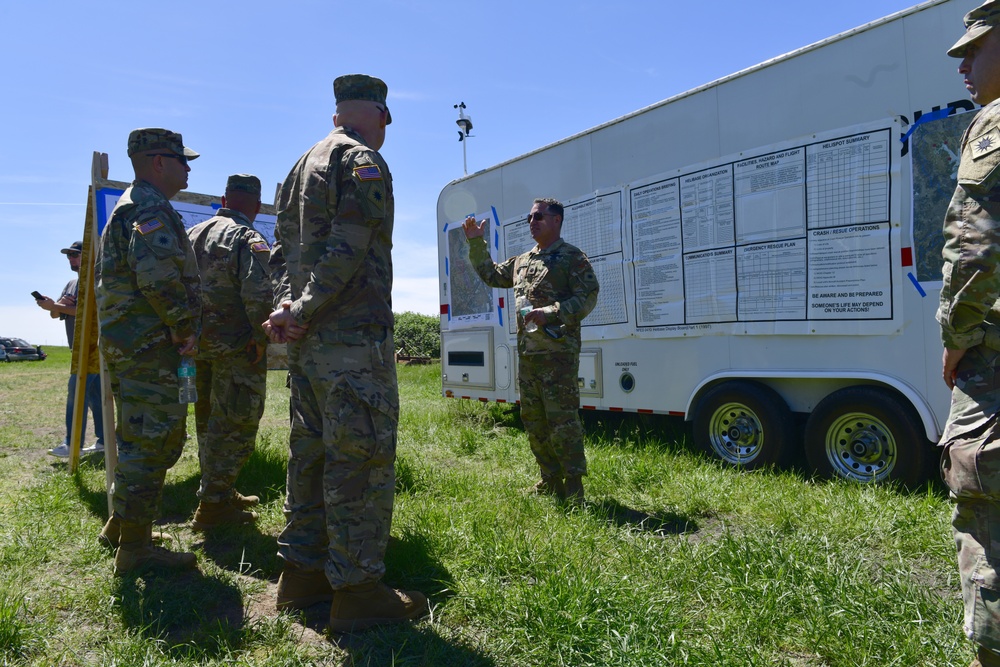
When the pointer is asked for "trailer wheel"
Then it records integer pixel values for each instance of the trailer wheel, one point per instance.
(865, 434)
(744, 423)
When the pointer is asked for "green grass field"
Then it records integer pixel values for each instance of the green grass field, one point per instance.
(675, 560)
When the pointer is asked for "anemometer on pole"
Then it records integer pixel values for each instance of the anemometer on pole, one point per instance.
(465, 127)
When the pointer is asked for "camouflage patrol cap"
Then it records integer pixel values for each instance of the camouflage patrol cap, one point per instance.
(156, 138)
(361, 87)
(978, 22)
(243, 183)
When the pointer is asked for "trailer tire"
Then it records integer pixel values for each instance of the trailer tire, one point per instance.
(744, 424)
(867, 435)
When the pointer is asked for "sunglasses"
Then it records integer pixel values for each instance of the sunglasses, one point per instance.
(182, 158)
(72, 254)
(540, 216)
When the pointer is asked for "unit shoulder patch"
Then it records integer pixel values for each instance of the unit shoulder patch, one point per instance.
(986, 143)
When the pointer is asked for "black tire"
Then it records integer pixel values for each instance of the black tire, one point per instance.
(745, 424)
(868, 435)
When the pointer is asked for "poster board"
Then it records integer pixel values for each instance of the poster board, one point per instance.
(801, 236)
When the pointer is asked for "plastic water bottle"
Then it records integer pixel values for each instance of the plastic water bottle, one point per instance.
(187, 393)
(524, 307)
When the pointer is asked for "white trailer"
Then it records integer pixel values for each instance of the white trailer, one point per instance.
(767, 245)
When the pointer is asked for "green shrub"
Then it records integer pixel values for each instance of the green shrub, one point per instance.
(418, 335)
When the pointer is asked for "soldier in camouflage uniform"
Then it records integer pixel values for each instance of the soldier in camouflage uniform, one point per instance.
(149, 308)
(558, 281)
(331, 267)
(969, 315)
(231, 363)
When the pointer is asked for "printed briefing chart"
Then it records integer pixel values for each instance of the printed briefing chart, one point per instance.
(796, 234)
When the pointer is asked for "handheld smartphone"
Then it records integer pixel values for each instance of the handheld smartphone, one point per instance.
(38, 295)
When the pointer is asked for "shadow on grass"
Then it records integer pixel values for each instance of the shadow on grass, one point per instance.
(620, 515)
(185, 610)
(409, 566)
(243, 549)
(662, 432)
(263, 475)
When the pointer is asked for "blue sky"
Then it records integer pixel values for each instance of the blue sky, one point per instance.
(249, 85)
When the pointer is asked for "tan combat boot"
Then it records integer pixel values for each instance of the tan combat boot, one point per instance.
(986, 658)
(245, 501)
(549, 486)
(110, 535)
(210, 515)
(357, 608)
(298, 588)
(136, 552)
(574, 490)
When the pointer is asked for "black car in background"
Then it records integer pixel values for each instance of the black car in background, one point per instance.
(19, 349)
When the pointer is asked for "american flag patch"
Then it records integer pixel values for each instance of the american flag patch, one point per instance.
(369, 172)
(260, 247)
(148, 227)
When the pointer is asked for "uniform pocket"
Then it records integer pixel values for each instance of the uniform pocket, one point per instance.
(983, 627)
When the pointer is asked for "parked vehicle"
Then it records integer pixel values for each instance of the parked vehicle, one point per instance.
(18, 349)
(768, 247)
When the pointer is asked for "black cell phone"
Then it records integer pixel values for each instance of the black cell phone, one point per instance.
(38, 295)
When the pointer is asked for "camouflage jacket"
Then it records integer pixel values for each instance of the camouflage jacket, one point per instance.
(971, 272)
(147, 282)
(332, 254)
(235, 285)
(559, 280)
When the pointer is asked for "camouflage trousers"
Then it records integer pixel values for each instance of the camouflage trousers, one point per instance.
(550, 404)
(341, 479)
(970, 466)
(231, 391)
(150, 430)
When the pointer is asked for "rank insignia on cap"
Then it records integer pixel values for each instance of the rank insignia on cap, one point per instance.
(260, 247)
(148, 227)
(369, 172)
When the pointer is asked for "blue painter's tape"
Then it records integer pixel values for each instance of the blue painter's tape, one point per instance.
(500, 314)
(926, 118)
(916, 283)
(446, 267)
(496, 227)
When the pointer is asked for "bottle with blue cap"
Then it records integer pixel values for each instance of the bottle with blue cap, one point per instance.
(187, 392)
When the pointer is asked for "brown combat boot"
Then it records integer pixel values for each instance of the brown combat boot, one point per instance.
(549, 486)
(985, 658)
(136, 552)
(110, 535)
(574, 490)
(245, 501)
(210, 515)
(298, 588)
(357, 608)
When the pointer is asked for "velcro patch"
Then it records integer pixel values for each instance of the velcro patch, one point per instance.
(376, 195)
(260, 247)
(148, 227)
(985, 144)
(368, 172)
